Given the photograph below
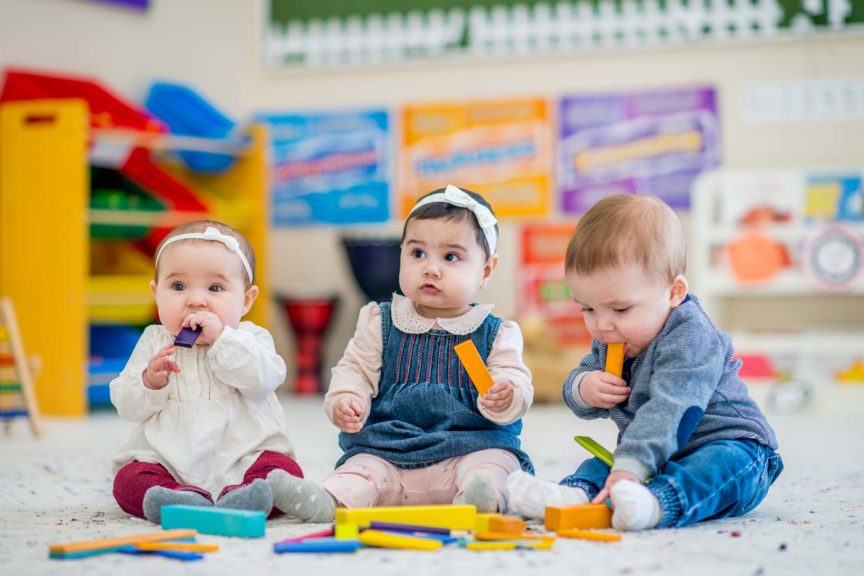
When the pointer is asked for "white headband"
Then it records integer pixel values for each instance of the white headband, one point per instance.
(215, 235)
(458, 197)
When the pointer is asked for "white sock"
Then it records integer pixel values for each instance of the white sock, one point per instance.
(300, 498)
(635, 506)
(528, 496)
(481, 493)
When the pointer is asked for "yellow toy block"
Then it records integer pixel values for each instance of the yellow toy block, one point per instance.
(589, 535)
(483, 522)
(398, 541)
(509, 545)
(507, 525)
(507, 536)
(454, 517)
(474, 365)
(581, 516)
(615, 358)
(346, 532)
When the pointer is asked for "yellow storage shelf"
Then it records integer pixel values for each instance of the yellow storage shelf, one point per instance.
(45, 247)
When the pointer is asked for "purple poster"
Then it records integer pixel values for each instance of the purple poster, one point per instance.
(652, 142)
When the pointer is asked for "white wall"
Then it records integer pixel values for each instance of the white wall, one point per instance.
(212, 45)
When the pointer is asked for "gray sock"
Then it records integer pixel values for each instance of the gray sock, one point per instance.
(481, 493)
(158, 496)
(255, 496)
(301, 499)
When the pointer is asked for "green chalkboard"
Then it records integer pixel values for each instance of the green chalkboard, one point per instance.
(283, 11)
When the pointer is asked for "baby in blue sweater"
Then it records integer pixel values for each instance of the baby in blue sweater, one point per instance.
(692, 445)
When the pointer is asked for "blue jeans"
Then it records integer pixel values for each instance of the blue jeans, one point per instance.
(720, 479)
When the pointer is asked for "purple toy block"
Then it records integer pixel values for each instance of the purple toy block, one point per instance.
(187, 337)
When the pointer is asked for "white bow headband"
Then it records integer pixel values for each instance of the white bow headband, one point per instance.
(458, 197)
(215, 235)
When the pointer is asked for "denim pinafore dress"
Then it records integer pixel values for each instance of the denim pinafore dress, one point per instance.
(426, 408)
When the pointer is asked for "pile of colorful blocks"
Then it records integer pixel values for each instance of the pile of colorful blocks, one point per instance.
(426, 528)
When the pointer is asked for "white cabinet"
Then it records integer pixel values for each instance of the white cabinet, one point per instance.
(775, 257)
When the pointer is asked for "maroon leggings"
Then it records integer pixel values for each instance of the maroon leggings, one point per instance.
(134, 479)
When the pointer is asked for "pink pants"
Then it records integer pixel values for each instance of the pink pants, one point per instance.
(134, 479)
(365, 480)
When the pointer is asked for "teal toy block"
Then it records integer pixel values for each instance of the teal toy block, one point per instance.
(219, 521)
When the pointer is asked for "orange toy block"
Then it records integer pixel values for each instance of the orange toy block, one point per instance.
(589, 535)
(581, 516)
(615, 358)
(474, 365)
(507, 525)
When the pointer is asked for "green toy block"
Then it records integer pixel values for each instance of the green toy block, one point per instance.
(219, 521)
(595, 449)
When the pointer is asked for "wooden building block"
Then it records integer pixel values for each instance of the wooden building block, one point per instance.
(112, 544)
(581, 516)
(483, 522)
(589, 535)
(454, 517)
(507, 524)
(221, 521)
(346, 532)
(474, 365)
(615, 358)
(381, 539)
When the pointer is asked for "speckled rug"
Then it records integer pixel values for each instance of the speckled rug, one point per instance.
(58, 489)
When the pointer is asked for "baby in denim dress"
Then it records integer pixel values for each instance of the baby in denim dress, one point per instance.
(414, 429)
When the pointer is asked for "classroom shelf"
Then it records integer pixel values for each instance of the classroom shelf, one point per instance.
(46, 149)
(818, 327)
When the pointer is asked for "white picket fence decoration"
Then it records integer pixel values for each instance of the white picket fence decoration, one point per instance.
(537, 29)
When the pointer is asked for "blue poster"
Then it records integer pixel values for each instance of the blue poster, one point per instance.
(330, 167)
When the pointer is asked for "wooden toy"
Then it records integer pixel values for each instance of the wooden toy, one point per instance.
(320, 534)
(474, 365)
(346, 532)
(21, 383)
(183, 555)
(90, 547)
(589, 535)
(187, 336)
(508, 545)
(615, 358)
(507, 524)
(187, 546)
(398, 541)
(595, 449)
(483, 522)
(317, 545)
(506, 536)
(454, 517)
(579, 516)
(220, 521)
(395, 527)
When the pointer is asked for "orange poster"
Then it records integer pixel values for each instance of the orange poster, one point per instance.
(543, 287)
(501, 149)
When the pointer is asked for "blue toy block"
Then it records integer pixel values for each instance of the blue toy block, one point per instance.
(317, 545)
(219, 521)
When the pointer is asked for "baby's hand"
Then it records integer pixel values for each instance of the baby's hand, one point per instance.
(613, 477)
(348, 414)
(603, 390)
(210, 324)
(499, 397)
(159, 368)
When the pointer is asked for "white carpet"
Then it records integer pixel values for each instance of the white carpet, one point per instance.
(58, 489)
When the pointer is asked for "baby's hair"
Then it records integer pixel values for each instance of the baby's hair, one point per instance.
(627, 228)
(445, 211)
(201, 226)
